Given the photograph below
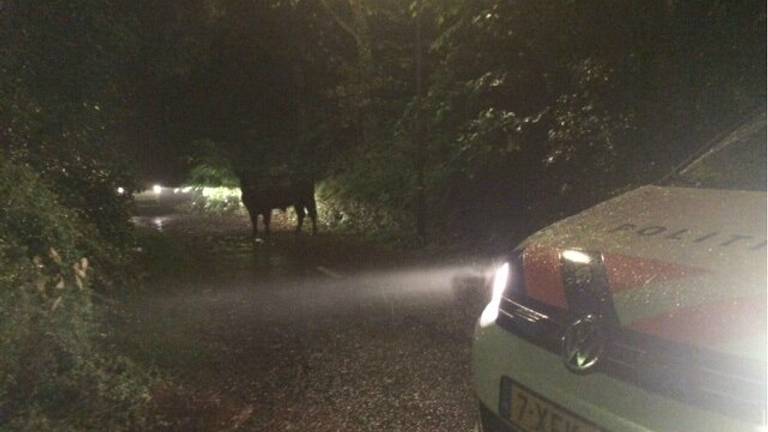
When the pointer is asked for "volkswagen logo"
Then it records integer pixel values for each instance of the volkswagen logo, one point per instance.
(583, 344)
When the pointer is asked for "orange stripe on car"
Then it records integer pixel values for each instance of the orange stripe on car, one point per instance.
(543, 278)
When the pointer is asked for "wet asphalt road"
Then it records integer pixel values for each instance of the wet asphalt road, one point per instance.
(303, 333)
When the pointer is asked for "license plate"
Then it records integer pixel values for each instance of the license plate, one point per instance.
(533, 413)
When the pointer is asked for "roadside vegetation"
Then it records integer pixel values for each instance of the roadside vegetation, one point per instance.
(55, 371)
(65, 238)
(455, 121)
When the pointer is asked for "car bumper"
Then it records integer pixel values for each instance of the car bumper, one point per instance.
(609, 403)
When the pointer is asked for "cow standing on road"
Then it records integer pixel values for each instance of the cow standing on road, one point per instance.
(262, 194)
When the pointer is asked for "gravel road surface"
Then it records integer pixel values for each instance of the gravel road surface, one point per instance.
(303, 333)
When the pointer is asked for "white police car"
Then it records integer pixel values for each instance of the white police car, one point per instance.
(644, 313)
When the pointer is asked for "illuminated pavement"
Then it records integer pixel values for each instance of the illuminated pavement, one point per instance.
(303, 334)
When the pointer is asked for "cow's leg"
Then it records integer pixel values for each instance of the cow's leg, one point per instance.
(267, 215)
(254, 222)
(300, 214)
(312, 210)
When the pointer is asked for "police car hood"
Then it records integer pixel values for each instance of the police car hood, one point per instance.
(686, 265)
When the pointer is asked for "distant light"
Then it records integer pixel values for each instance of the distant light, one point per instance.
(186, 189)
(157, 189)
(120, 190)
(176, 190)
(577, 256)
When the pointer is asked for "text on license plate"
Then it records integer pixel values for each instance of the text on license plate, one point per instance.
(532, 413)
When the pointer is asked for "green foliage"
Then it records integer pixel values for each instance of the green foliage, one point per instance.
(53, 376)
(212, 177)
(521, 101)
(343, 210)
(529, 101)
(216, 200)
(209, 175)
(63, 95)
(209, 165)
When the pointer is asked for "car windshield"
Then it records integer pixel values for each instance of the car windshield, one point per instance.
(738, 162)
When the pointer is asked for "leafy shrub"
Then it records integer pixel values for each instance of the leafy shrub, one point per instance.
(205, 174)
(217, 200)
(341, 211)
(53, 376)
(64, 104)
(212, 176)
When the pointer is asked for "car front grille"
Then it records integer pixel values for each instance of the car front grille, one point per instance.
(713, 381)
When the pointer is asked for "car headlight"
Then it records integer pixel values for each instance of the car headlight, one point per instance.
(500, 280)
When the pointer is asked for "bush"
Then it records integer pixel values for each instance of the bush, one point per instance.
(216, 186)
(339, 210)
(217, 200)
(53, 375)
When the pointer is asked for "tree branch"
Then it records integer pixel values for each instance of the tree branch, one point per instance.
(341, 22)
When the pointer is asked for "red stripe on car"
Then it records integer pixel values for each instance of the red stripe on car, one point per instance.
(543, 278)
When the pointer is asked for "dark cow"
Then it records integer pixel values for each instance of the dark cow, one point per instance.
(261, 194)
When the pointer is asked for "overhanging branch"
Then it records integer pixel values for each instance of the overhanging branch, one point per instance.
(348, 28)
